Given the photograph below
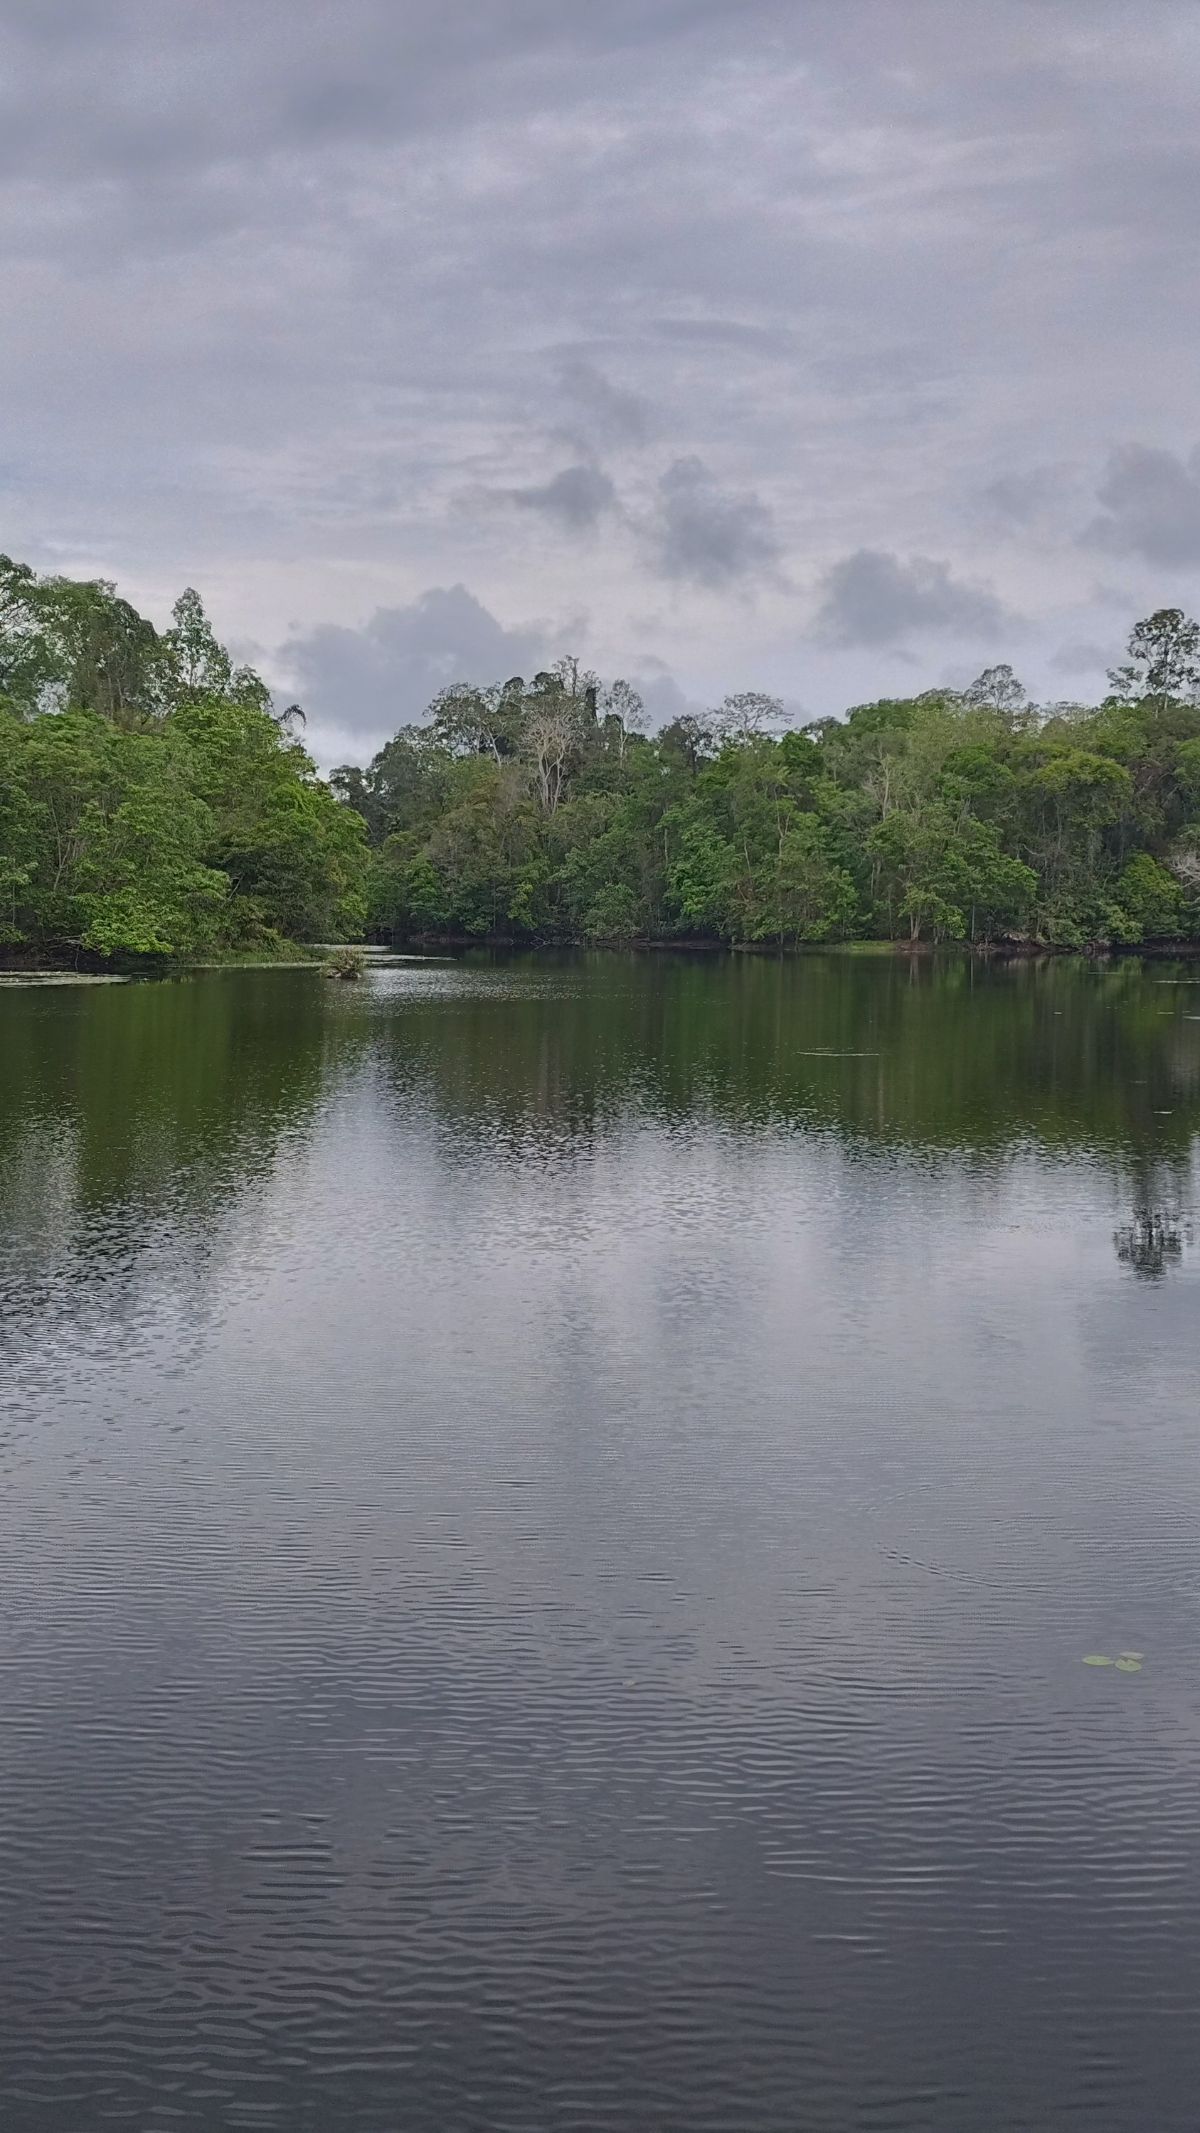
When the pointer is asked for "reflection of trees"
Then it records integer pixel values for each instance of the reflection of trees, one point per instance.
(134, 1123)
(1153, 1242)
(948, 1055)
(1158, 1185)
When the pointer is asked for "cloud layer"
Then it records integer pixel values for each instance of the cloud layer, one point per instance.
(577, 497)
(875, 598)
(793, 347)
(1151, 506)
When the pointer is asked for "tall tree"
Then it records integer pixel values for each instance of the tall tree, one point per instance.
(1164, 660)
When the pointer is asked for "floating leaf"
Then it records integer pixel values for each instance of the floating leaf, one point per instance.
(1129, 1666)
(1133, 1655)
(1097, 1659)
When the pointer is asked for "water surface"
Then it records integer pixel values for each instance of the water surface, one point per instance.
(552, 1515)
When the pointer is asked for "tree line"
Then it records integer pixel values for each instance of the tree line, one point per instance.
(544, 811)
(154, 802)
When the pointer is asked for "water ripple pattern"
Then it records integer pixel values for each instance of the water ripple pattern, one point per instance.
(553, 1514)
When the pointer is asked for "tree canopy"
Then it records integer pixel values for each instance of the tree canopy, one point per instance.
(154, 802)
(151, 802)
(543, 811)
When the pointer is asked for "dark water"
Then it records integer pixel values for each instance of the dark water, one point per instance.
(551, 1518)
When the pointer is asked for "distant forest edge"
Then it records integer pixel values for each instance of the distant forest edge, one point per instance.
(155, 803)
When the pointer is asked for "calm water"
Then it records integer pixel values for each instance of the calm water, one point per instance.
(551, 1518)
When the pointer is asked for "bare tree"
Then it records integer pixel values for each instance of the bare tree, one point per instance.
(576, 682)
(1184, 863)
(749, 715)
(622, 703)
(551, 735)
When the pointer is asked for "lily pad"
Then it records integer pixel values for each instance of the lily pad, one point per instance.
(1132, 1655)
(1129, 1666)
(1097, 1659)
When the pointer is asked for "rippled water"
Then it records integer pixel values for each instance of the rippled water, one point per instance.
(552, 1515)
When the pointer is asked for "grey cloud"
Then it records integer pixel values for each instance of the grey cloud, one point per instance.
(283, 282)
(771, 341)
(664, 699)
(661, 693)
(1082, 658)
(874, 598)
(1150, 502)
(357, 686)
(223, 82)
(577, 498)
(366, 682)
(1021, 498)
(708, 535)
(69, 22)
(611, 411)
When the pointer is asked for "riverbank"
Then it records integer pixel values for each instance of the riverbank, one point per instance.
(994, 950)
(67, 961)
(67, 966)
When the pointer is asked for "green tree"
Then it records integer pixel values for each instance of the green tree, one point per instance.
(198, 665)
(1163, 662)
(294, 856)
(19, 830)
(120, 842)
(803, 893)
(1151, 897)
(947, 875)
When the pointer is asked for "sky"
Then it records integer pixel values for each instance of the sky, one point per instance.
(836, 348)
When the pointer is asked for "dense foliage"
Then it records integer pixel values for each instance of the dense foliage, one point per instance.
(151, 802)
(542, 811)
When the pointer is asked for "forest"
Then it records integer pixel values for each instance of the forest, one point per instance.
(545, 812)
(155, 803)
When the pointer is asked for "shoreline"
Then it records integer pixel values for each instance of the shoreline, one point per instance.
(985, 951)
(419, 948)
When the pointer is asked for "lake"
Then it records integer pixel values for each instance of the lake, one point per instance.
(553, 1516)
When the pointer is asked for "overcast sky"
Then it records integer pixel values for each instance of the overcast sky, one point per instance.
(833, 347)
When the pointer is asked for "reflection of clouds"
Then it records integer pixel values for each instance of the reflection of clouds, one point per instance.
(1153, 1242)
(144, 1132)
